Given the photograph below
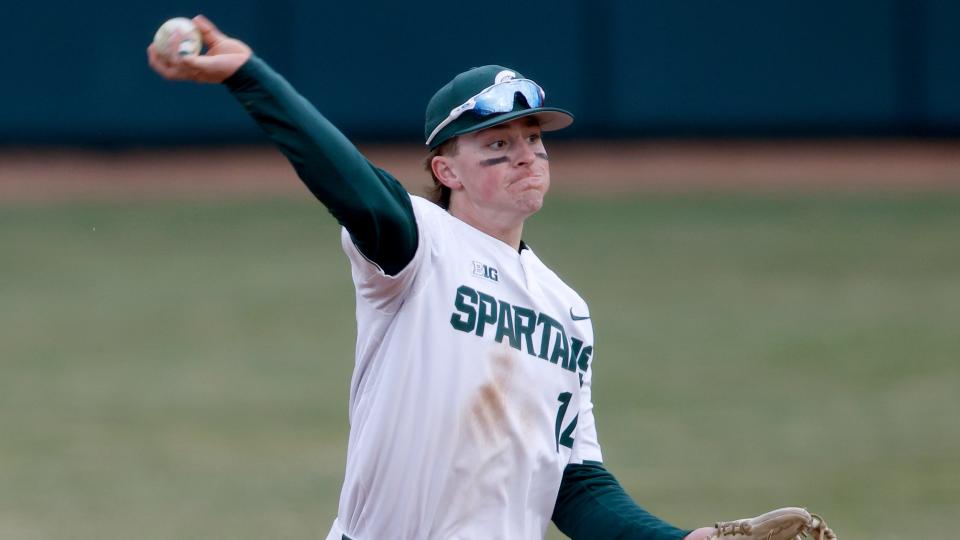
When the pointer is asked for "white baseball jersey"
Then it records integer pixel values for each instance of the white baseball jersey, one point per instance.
(471, 390)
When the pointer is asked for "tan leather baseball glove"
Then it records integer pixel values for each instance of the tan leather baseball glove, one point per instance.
(781, 524)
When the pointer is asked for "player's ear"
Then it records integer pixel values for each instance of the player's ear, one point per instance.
(445, 172)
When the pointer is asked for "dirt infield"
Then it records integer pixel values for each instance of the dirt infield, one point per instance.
(594, 168)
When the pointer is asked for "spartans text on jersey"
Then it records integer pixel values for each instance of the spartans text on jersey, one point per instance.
(476, 310)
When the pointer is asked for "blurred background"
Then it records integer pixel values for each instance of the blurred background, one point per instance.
(759, 200)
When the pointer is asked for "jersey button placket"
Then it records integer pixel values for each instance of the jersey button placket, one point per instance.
(533, 288)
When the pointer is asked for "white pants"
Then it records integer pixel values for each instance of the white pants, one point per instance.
(336, 533)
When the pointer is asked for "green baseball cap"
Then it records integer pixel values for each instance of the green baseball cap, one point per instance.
(483, 97)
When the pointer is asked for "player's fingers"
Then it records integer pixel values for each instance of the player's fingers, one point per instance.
(156, 61)
(211, 35)
(201, 68)
(167, 72)
(158, 58)
(200, 63)
(212, 69)
(167, 67)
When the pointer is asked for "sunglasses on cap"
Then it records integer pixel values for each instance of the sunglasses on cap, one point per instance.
(494, 99)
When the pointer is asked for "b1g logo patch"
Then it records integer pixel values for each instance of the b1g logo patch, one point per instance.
(484, 271)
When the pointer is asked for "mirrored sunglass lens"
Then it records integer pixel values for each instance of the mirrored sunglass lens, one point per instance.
(500, 99)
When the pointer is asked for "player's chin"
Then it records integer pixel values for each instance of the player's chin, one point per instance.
(531, 200)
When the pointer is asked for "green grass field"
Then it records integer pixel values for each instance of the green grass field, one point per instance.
(180, 370)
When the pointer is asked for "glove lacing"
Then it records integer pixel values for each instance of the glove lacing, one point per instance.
(819, 526)
(733, 528)
(743, 527)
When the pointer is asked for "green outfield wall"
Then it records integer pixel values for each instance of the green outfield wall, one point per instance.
(76, 73)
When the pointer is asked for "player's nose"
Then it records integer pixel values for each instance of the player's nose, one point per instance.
(524, 154)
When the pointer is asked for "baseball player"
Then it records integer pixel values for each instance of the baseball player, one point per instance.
(470, 403)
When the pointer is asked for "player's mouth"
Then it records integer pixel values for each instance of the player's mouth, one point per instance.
(528, 181)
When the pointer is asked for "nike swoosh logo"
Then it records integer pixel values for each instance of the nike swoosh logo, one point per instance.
(577, 317)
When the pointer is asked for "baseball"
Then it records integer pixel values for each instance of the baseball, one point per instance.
(178, 36)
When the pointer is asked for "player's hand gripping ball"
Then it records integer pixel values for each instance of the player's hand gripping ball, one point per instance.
(178, 36)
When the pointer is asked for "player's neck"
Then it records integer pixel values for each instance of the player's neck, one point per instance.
(507, 229)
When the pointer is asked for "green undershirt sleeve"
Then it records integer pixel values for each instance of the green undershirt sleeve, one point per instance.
(371, 204)
(591, 505)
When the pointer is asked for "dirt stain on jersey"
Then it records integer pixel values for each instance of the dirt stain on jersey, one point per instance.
(499, 409)
(488, 408)
(493, 433)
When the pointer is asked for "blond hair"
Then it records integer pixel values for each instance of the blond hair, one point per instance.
(439, 193)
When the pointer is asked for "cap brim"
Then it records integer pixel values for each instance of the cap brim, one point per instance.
(550, 119)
